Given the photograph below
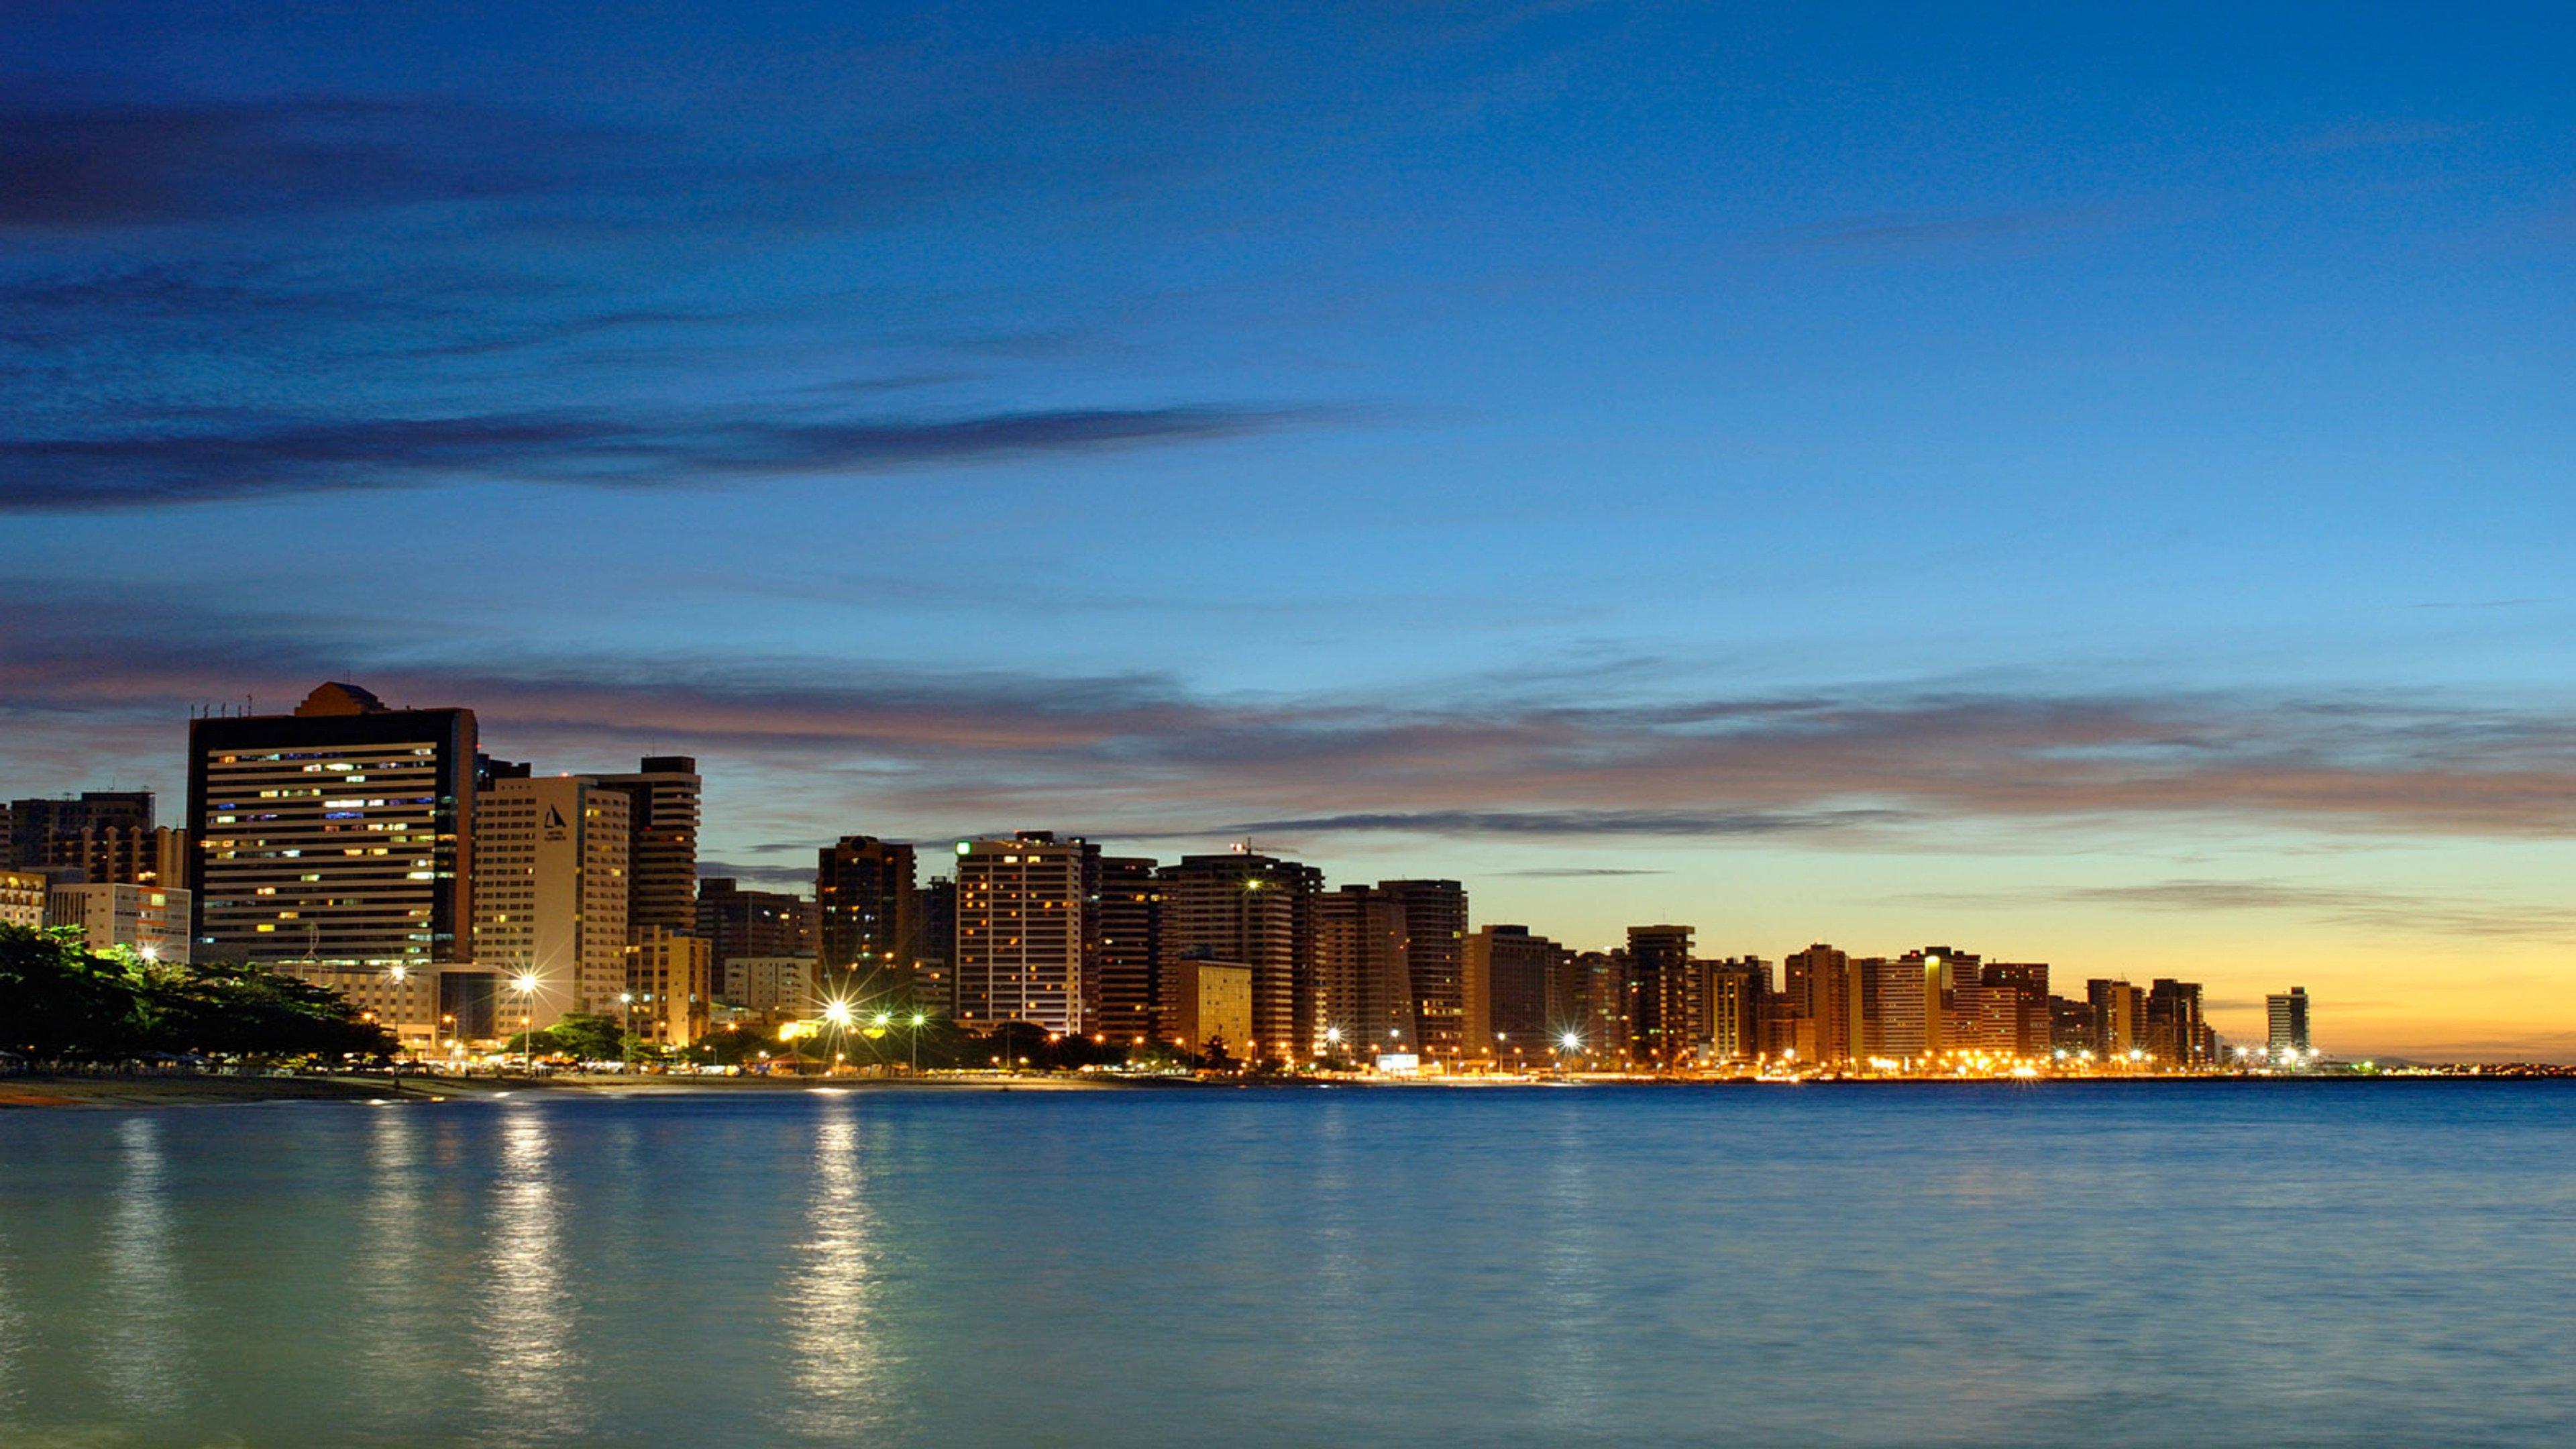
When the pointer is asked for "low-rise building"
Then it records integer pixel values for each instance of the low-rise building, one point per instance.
(147, 919)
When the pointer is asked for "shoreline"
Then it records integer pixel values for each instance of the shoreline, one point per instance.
(127, 1093)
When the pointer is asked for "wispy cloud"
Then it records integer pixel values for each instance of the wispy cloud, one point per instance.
(71, 162)
(2361, 908)
(1575, 872)
(1140, 754)
(258, 457)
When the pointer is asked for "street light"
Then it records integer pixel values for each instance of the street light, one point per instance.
(526, 986)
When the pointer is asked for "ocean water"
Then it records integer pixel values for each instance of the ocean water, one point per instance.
(2273, 1264)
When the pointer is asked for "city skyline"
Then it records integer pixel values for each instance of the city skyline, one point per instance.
(383, 853)
(2089, 487)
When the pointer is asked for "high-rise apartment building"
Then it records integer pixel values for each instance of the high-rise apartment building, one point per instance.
(1358, 997)
(2119, 1017)
(103, 837)
(1123, 970)
(934, 910)
(40, 831)
(148, 919)
(1736, 992)
(1257, 910)
(2175, 1033)
(863, 895)
(1671, 1007)
(1906, 995)
(1020, 930)
(662, 851)
(1434, 915)
(2032, 1030)
(2286, 1014)
(1510, 975)
(1942, 969)
(551, 893)
(666, 986)
(336, 844)
(738, 923)
(1818, 984)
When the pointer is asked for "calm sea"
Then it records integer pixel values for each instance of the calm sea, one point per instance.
(2239, 1264)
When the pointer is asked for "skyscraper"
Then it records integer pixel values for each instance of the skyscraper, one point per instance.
(738, 923)
(1906, 992)
(934, 909)
(1736, 993)
(1020, 931)
(551, 892)
(1124, 971)
(2119, 1016)
(2288, 1018)
(863, 899)
(336, 844)
(1434, 916)
(662, 855)
(2175, 1033)
(1509, 974)
(1358, 997)
(1671, 1007)
(1819, 984)
(1256, 910)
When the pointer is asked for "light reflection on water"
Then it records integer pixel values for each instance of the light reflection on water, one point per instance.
(529, 1359)
(143, 1357)
(2122, 1266)
(836, 1355)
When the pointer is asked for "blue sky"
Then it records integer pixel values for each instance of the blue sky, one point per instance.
(2085, 486)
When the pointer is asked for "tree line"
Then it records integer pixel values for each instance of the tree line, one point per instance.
(62, 1002)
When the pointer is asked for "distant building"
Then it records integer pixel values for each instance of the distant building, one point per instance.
(1509, 975)
(864, 902)
(147, 919)
(1358, 996)
(1257, 910)
(1737, 994)
(1020, 931)
(2288, 1018)
(1669, 994)
(1212, 1006)
(662, 847)
(738, 923)
(1818, 983)
(2175, 1033)
(772, 986)
(551, 893)
(23, 898)
(2033, 1030)
(1123, 966)
(934, 912)
(1599, 1022)
(40, 832)
(667, 974)
(1906, 995)
(336, 844)
(2070, 1025)
(1434, 916)
(2119, 1016)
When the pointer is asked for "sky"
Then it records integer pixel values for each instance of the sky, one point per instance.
(2079, 486)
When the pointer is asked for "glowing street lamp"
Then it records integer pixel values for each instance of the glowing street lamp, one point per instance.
(525, 983)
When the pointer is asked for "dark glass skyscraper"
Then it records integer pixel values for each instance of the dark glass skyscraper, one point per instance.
(864, 901)
(337, 837)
